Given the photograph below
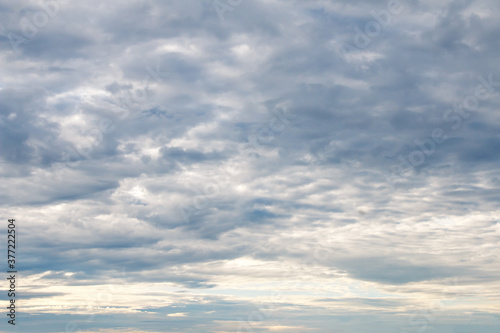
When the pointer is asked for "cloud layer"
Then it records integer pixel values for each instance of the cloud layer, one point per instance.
(267, 165)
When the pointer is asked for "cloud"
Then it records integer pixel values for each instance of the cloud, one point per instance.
(175, 164)
(178, 314)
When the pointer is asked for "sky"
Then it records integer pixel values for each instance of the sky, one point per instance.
(225, 166)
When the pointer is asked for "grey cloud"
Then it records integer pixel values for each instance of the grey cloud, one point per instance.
(114, 117)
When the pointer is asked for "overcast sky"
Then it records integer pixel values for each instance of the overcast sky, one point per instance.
(227, 166)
